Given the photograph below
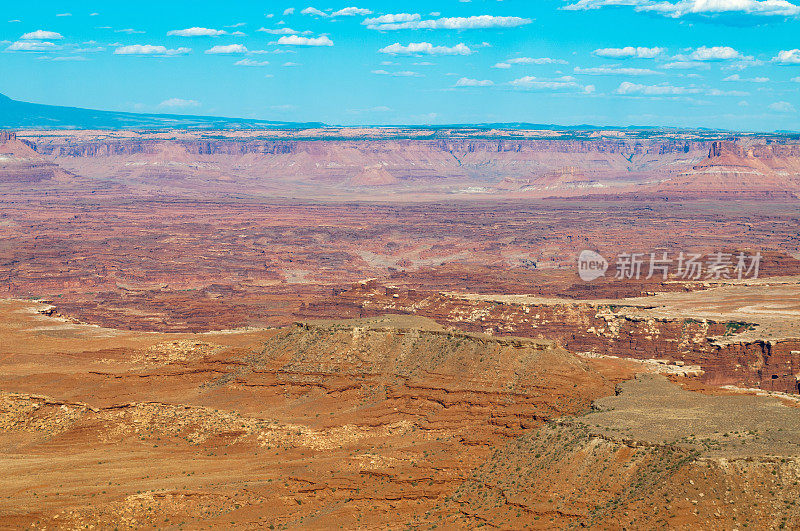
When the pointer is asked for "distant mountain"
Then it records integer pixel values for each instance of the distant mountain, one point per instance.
(19, 114)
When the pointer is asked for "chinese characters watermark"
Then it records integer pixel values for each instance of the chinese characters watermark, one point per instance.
(662, 264)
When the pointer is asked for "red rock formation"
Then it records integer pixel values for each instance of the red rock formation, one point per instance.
(587, 327)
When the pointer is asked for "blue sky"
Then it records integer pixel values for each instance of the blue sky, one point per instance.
(731, 64)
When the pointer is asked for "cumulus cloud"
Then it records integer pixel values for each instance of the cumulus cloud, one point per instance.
(391, 19)
(634, 89)
(279, 31)
(42, 35)
(788, 57)
(696, 7)
(149, 49)
(250, 62)
(345, 12)
(404, 73)
(795, 79)
(533, 83)
(616, 71)
(313, 11)
(782, 106)
(179, 103)
(351, 11)
(715, 7)
(294, 40)
(630, 51)
(469, 82)
(714, 53)
(685, 65)
(196, 32)
(737, 77)
(453, 23)
(31, 46)
(227, 49)
(288, 11)
(628, 88)
(425, 48)
(529, 61)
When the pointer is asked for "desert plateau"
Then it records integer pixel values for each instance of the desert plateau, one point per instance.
(185, 344)
(465, 265)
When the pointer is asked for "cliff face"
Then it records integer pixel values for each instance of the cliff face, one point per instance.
(605, 329)
(528, 167)
(733, 169)
(370, 162)
(20, 163)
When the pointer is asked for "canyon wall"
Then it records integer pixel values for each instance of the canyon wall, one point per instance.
(588, 327)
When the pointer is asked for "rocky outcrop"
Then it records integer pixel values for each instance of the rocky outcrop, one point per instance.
(584, 326)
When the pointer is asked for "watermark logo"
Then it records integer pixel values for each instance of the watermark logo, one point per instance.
(591, 266)
(683, 266)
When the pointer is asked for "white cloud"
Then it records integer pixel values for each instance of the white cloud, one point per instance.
(42, 35)
(404, 73)
(715, 7)
(129, 31)
(468, 82)
(425, 48)
(455, 23)
(288, 11)
(717, 92)
(529, 61)
(696, 7)
(227, 49)
(351, 11)
(250, 62)
(782, 106)
(628, 88)
(633, 89)
(391, 19)
(737, 77)
(70, 58)
(685, 65)
(615, 71)
(294, 40)
(788, 57)
(714, 53)
(149, 49)
(197, 32)
(530, 82)
(313, 11)
(290, 64)
(279, 31)
(179, 103)
(64, 15)
(795, 79)
(31, 46)
(630, 51)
